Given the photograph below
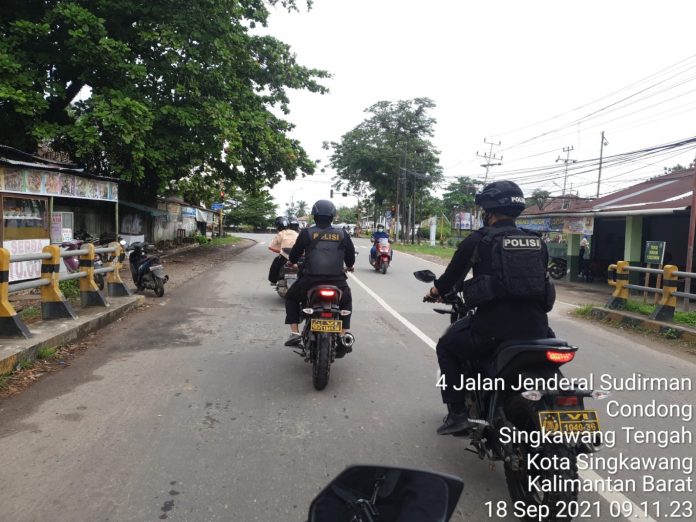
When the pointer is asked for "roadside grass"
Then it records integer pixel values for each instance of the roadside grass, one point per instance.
(584, 310)
(685, 318)
(30, 312)
(24, 364)
(4, 380)
(46, 352)
(443, 252)
(220, 241)
(70, 289)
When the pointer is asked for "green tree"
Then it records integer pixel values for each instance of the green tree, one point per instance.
(178, 88)
(391, 144)
(347, 214)
(539, 198)
(256, 209)
(301, 208)
(461, 193)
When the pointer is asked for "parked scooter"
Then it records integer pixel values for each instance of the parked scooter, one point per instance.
(72, 263)
(146, 269)
(558, 267)
(383, 255)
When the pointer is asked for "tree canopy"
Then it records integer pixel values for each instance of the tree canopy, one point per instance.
(178, 88)
(256, 209)
(391, 146)
(461, 193)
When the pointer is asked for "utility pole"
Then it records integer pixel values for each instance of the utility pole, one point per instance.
(490, 158)
(567, 160)
(601, 154)
(690, 241)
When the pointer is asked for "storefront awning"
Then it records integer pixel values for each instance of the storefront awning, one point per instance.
(142, 208)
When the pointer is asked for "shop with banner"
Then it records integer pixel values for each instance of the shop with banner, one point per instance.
(43, 203)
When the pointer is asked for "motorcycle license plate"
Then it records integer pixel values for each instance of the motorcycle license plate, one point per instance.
(571, 421)
(326, 325)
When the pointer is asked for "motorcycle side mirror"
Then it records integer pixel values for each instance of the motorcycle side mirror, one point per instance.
(425, 275)
(360, 492)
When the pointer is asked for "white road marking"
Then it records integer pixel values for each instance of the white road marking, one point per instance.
(427, 340)
(585, 474)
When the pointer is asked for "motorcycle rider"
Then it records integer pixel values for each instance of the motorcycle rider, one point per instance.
(326, 249)
(376, 236)
(294, 224)
(509, 288)
(285, 238)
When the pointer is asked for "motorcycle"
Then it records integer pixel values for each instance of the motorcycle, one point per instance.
(288, 275)
(383, 255)
(72, 263)
(320, 338)
(558, 267)
(506, 418)
(382, 493)
(147, 270)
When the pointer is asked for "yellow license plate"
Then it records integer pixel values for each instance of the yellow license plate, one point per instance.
(326, 325)
(572, 421)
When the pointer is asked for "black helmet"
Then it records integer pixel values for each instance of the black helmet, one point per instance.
(324, 208)
(502, 197)
(293, 223)
(281, 223)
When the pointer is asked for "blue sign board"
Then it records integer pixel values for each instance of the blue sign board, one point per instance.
(216, 206)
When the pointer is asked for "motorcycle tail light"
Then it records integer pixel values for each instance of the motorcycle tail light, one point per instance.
(327, 292)
(567, 400)
(559, 357)
(327, 314)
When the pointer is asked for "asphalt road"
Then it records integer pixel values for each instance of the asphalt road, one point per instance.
(193, 410)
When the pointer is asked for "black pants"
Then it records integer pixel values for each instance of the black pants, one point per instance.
(454, 349)
(298, 295)
(274, 272)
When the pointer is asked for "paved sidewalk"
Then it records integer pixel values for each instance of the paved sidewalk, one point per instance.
(58, 332)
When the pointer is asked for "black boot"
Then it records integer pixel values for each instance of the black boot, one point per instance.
(456, 421)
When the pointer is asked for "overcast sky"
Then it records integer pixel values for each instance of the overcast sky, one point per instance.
(498, 66)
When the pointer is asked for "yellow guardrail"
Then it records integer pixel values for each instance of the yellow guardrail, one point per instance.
(672, 282)
(53, 302)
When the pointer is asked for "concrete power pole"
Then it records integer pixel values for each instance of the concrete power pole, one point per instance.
(567, 160)
(491, 159)
(601, 155)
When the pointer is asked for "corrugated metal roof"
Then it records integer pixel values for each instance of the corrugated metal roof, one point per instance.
(660, 195)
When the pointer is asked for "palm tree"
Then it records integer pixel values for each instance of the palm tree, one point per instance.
(301, 208)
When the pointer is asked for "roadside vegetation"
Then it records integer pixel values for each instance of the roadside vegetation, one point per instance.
(443, 252)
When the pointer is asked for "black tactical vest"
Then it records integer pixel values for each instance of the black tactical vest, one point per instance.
(324, 255)
(518, 271)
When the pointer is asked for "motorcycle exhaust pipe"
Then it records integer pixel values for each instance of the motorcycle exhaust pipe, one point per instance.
(348, 340)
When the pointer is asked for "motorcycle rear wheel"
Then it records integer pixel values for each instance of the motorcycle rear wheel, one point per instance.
(523, 414)
(159, 287)
(322, 362)
(556, 271)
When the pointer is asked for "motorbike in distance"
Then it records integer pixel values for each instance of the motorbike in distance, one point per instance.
(146, 269)
(505, 419)
(383, 255)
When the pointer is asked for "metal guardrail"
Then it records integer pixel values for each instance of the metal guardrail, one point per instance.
(673, 281)
(53, 302)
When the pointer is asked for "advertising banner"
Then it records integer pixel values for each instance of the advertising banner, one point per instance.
(26, 181)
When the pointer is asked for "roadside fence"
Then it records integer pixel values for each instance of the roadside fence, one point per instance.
(53, 302)
(673, 284)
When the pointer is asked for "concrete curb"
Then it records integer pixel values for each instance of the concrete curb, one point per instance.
(62, 331)
(621, 318)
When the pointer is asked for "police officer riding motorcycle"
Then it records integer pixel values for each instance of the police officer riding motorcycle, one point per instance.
(326, 249)
(509, 290)
(281, 245)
